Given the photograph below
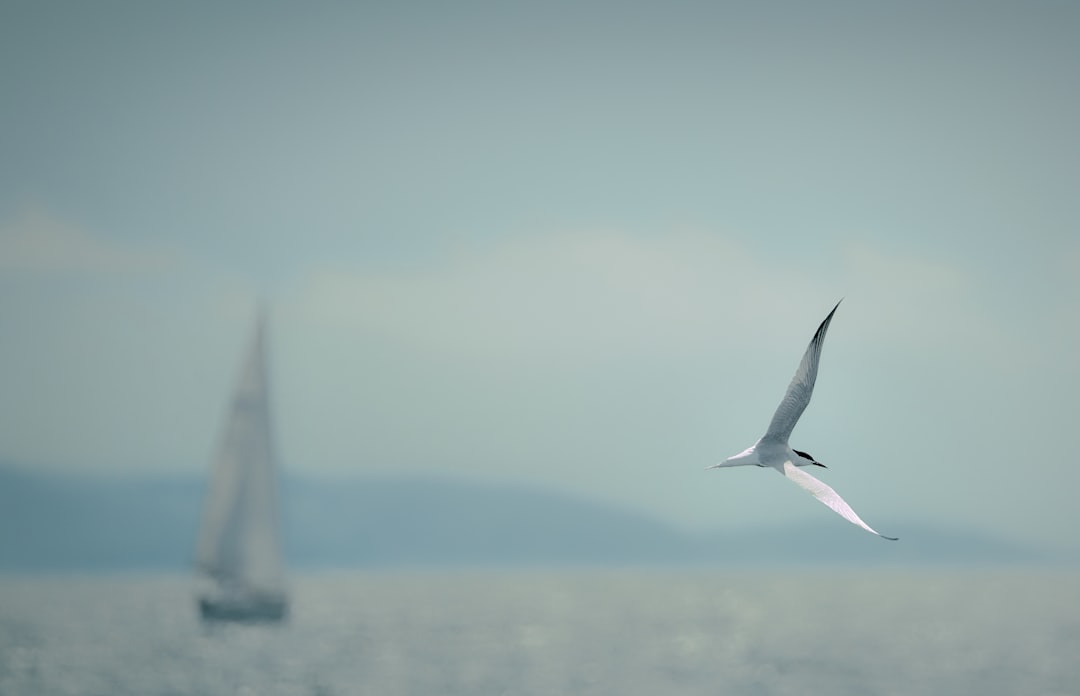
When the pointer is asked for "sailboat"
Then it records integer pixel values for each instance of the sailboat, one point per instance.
(238, 554)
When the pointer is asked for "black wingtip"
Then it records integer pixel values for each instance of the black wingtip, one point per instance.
(889, 538)
(824, 325)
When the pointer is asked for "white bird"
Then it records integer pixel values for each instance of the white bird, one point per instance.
(773, 449)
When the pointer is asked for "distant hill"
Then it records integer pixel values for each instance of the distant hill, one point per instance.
(67, 523)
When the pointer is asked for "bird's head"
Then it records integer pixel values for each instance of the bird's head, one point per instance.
(808, 459)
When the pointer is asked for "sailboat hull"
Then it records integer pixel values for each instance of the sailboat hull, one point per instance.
(263, 608)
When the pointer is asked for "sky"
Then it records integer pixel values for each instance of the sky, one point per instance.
(574, 245)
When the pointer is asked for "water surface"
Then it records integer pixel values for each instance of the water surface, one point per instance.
(627, 632)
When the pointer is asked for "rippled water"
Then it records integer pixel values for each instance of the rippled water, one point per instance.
(585, 632)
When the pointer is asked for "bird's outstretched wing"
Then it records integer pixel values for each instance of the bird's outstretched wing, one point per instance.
(827, 495)
(801, 387)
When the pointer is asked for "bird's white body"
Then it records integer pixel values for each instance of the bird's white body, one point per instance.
(772, 450)
(765, 453)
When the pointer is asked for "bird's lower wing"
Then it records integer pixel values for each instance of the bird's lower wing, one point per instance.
(827, 495)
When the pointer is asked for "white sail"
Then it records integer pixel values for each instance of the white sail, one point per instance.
(238, 541)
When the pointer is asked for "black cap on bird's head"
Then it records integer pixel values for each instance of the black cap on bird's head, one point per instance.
(809, 458)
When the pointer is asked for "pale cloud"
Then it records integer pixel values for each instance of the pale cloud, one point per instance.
(36, 241)
(584, 296)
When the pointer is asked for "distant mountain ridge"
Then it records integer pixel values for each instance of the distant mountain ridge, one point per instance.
(70, 523)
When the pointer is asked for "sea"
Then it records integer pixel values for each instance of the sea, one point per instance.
(624, 632)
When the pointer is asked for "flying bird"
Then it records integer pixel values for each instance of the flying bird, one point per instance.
(773, 449)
